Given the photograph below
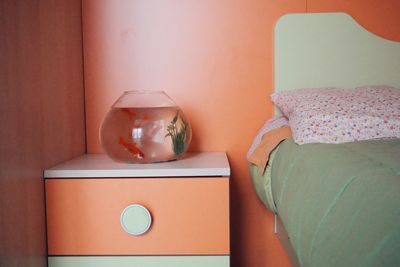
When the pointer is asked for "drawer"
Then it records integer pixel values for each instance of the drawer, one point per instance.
(142, 261)
(190, 216)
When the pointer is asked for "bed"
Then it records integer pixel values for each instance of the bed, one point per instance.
(335, 204)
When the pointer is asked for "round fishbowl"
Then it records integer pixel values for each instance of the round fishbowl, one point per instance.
(145, 127)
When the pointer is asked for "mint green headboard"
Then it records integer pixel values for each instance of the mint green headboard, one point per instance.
(331, 49)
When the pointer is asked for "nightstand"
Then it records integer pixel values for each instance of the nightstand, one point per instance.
(173, 214)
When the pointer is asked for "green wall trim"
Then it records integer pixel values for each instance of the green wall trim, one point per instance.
(142, 261)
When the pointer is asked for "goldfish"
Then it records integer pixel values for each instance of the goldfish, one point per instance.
(138, 122)
(146, 117)
(131, 147)
(130, 113)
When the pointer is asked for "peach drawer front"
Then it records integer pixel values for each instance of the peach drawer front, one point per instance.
(189, 216)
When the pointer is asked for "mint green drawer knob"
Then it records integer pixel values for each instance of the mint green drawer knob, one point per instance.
(135, 219)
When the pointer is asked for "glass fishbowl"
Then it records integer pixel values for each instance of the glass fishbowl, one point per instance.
(145, 127)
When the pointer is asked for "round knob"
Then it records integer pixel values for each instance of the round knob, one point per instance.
(135, 219)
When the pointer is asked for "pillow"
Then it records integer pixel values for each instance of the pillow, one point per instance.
(270, 141)
(333, 115)
(274, 123)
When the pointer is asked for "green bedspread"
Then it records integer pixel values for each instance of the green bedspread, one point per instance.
(340, 203)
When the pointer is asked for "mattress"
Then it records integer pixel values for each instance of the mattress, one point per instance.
(339, 203)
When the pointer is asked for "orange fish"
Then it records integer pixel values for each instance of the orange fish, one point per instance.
(146, 117)
(131, 114)
(131, 148)
(139, 122)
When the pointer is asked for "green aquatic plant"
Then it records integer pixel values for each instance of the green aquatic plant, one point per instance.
(178, 137)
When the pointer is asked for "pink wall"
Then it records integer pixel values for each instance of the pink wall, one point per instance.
(215, 59)
(380, 17)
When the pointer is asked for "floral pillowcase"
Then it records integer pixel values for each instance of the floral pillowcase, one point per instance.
(333, 115)
(274, 123)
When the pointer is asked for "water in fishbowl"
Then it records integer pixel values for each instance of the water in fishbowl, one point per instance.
(145, 135)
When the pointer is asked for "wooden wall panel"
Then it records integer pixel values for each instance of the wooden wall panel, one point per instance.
(41, 115)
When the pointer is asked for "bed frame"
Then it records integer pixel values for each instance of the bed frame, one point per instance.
(329, 49)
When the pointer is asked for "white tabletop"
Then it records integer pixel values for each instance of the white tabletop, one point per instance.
(101, 166)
